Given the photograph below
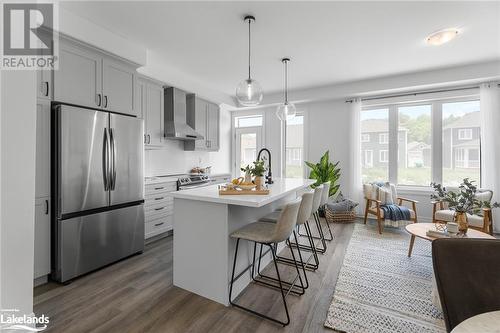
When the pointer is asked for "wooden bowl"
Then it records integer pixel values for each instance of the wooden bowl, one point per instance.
(247, 187)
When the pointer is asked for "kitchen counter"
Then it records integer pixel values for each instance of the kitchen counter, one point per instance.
(281, 188)
(156, 180)
(203, 248)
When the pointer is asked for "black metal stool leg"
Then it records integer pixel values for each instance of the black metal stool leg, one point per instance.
(321, 233)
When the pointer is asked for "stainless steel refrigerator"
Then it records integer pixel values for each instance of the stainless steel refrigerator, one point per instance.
(97, 189)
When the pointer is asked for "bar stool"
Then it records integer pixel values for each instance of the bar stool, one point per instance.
(302, 218)
(265, 233)
(315, 206)
(324, 200)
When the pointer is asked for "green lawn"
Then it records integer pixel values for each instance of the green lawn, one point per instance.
(294, 171)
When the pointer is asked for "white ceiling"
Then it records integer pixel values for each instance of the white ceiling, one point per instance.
(328, 42)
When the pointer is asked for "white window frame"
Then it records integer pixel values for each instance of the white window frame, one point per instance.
(465, 134)
(381, 153)
(436, 132)
(305, 142)
(365, 154)
(261, 130)
(383, 138)
(365, 137)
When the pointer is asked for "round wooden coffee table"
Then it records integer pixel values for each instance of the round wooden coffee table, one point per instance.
(420, 230)
(488, 322)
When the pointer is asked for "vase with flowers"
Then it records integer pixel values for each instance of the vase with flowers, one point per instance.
(463, 201)
(258, 171)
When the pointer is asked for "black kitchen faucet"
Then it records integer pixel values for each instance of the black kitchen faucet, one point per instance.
(269, 177)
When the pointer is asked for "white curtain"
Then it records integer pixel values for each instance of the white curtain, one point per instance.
(490, 144)
(355, 186)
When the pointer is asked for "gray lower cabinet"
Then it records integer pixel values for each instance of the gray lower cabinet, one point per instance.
(151, 101)
(42, 238)
(158, 208)
(205, 121)
(90, 78)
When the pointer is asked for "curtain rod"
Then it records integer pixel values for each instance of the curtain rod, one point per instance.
(414, 94)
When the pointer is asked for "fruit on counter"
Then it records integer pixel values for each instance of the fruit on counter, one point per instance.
(235, 181)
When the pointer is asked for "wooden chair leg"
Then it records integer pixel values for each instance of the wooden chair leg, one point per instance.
(414, 205)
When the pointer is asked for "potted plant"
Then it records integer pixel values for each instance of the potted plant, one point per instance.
(258, 171)
(323, 172)
(463, 201)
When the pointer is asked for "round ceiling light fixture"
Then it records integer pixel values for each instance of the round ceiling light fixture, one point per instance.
(249, 91)
(442, 36)
(286, 110)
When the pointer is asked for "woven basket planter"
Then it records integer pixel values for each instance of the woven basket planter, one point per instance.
(339, 217)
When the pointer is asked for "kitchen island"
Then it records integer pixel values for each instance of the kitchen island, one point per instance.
(203, 221)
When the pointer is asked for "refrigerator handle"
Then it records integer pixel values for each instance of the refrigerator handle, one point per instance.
(105, 160)
(113, 159)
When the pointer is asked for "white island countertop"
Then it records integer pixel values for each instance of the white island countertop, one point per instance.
(279, 189)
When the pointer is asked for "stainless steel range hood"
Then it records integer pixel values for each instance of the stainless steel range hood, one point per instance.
(176, 126)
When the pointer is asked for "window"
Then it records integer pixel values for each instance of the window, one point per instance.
(383, 138)
(248, 135)
(461, 146)
(465, 134)
(294, 147)
(406, 143)
(414, 145)
(248, 121)
(373, 121)
(365, 137)
(368, 159)
(383, 156)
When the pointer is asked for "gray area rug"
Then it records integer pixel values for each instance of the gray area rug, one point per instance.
(380, 289)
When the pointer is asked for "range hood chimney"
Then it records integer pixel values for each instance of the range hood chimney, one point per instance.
(176, 126)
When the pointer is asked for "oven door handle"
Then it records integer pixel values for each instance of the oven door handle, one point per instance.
(188, 187)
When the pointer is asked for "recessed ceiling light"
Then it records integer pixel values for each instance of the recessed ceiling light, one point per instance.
(443, 36)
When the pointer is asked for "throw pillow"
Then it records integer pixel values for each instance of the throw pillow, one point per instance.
(385, 195)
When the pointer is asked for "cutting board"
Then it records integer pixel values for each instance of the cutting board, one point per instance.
(243, 192)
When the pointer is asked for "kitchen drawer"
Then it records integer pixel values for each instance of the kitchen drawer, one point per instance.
(157, 206)
(159, 199)
(160, 188)
(157, 213)
(158, 196)
(158, 226)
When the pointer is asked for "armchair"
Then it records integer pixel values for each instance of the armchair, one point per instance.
(374, 203)
(484, 222)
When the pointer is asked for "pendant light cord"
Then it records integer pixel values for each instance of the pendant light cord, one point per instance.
(286, 81)
(249, 47)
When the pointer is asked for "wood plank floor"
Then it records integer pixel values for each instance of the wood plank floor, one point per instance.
(137, 295)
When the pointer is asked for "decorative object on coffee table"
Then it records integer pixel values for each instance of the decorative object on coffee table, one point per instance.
(467, 203)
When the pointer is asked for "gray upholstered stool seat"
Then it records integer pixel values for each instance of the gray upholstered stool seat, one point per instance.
(271, 217)
(261, 232)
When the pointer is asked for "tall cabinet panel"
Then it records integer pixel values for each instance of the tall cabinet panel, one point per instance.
(78, 79)
(213, 127)
(42, 238)
(118, 81)
(42, 178)
(154, 113)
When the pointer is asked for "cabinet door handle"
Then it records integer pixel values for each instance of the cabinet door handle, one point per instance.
(145, 139)
(160, 198)
(46, 88)
(46, 207)
(159, 188)
(159, 208)
(149, 138)
(158, 224)
(99, 99)
(106, 101)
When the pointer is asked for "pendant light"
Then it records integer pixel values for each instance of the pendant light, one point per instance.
(286, 110)
(249, 91)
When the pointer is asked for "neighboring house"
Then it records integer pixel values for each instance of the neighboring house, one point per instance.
(375, 143)
(461, 145)
(419, 154)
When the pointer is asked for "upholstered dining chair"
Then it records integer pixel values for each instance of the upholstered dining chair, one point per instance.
(467, 277)
(483, 222)
(375, 199)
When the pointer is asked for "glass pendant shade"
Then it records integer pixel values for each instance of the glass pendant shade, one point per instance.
(249, 93)
(286, 111)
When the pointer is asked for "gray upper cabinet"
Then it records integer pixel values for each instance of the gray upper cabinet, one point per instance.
(118, 81)
(78, 79)
(151, 104)
(44, 87)
(213, 121)
(205, 120)
(89, 78)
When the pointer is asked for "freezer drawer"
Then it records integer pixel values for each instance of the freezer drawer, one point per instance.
(92, 241)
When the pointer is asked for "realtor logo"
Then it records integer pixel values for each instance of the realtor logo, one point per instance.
(29, 40)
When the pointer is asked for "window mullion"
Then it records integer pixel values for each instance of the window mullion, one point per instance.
(437, 142)
(393, 144)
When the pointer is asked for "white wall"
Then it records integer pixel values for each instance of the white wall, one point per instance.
(172, 159)
(17, 178)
